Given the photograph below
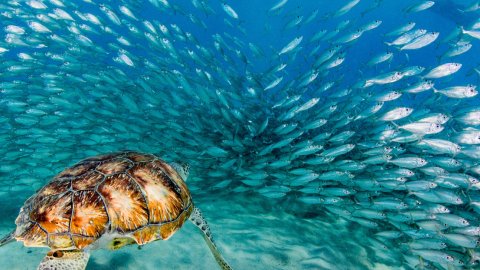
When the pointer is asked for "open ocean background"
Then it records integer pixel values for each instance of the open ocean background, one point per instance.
(202, 92)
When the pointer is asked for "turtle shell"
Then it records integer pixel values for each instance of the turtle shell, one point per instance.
(137, 197)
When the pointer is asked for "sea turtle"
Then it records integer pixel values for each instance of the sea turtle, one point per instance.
(108, 201)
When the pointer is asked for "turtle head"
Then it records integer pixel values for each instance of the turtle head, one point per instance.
(182, 169)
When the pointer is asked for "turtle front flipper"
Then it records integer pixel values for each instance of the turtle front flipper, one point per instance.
(65, 260)
(197, 219)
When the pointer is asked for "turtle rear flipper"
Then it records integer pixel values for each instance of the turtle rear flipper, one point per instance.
(65, 260)
(7, 238)
(197, 219)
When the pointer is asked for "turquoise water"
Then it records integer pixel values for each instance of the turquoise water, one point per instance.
(311, 141)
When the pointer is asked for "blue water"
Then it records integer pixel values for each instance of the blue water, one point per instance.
(77, 99)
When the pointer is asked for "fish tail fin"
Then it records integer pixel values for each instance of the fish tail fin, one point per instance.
(240, 22)
(439, 232)
(421, 264)
(408, 194)
(395, 125)
(473, 255)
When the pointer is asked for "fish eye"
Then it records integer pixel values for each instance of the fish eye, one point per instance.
(449, 258)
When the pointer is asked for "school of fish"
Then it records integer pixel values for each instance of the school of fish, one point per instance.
(393, 146)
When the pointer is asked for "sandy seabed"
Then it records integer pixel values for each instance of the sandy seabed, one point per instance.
(251, 231)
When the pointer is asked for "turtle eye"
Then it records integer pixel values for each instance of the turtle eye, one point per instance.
(57, 254)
